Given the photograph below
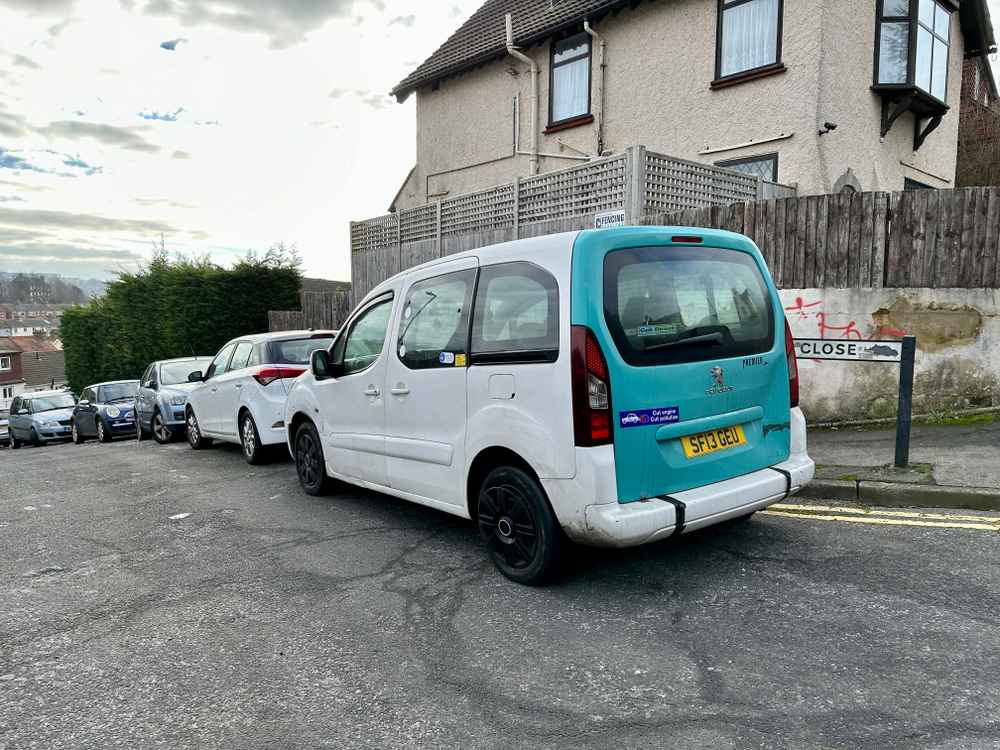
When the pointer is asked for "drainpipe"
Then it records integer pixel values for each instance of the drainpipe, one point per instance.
(516, 53)
(601, 66)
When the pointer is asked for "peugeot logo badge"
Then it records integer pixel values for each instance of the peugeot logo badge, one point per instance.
(718, 382)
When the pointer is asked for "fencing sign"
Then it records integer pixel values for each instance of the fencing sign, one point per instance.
(609, 219)
(852, 351)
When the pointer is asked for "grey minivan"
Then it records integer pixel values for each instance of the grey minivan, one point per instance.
(41, 417)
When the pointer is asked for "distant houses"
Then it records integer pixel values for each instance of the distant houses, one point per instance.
(29, 363)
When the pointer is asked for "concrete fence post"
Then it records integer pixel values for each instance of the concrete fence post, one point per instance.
(635, 184)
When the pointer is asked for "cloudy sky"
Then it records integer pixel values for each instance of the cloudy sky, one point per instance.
(223, 125)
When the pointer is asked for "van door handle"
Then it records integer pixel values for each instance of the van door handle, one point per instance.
(400, 390)
(239, 385)
(372, 391)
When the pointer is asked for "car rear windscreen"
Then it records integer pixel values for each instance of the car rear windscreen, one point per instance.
(297, 351)
(667, 305)
(175, 373)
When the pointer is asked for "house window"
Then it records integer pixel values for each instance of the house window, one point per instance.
(749, 36)
(763, 167)
(912, 45)
(4, 363)
(569, 83)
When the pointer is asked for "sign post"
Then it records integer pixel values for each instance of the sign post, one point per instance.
(904, 415)
(901, 352)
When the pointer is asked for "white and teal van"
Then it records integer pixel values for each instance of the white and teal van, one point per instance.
(612, 387)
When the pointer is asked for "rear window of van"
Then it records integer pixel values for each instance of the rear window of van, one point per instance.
(668, 305)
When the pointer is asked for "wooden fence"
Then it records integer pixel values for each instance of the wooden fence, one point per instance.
(922, 238)
(320, 310)
(919, 238)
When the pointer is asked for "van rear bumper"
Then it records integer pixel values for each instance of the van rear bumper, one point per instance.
(630, 524)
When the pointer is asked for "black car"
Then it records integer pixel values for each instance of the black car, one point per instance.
(105, 411)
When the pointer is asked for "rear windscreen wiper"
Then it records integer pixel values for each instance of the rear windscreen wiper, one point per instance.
(708, 338)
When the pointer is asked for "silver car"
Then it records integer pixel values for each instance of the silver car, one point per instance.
(4, 432)
(40, 417)
(163, 393)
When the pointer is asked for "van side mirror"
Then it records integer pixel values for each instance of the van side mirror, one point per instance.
(151, 384)
(83, 403)
(196, 377)
(322, 368)
(22, 412)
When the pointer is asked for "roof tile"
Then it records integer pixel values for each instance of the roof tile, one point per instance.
(483, 36)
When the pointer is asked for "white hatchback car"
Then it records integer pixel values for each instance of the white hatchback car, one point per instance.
(241, 397)
(617, 386)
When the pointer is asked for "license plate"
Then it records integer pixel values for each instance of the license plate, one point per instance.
(713, 441)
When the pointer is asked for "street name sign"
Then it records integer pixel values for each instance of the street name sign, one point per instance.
(852, 351)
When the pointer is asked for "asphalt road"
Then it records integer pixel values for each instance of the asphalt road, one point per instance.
(268, 619)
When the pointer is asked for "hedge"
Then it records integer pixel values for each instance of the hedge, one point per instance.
(174, 308)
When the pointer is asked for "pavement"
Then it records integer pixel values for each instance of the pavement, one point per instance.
(158, 597)
(951, 466)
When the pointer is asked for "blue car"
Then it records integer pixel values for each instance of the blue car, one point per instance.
(40, 417)
(105, 411)
(163, 393)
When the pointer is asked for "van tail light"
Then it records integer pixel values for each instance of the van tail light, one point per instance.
(591, 390)
(793, 366)
(268, 375)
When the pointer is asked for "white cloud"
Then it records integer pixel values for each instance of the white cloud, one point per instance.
(262, 153)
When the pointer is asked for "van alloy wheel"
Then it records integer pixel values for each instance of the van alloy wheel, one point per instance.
(507, 522)
(309, 462)
(518, 527)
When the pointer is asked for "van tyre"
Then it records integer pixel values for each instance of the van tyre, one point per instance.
(35, 440)
(253, 451)
(14, 442)
(194, 436)
(78, 437)
(518, 527)
(309, 462)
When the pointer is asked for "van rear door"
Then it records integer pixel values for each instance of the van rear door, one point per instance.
(693, 337)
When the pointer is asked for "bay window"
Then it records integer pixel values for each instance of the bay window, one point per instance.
(748, 37)
(912, 44)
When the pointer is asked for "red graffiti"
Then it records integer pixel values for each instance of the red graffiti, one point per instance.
(850, 331)
(800, 307)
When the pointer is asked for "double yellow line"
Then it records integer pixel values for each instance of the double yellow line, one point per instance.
(885, 517)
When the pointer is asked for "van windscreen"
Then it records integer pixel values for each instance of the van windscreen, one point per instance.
(667, 305)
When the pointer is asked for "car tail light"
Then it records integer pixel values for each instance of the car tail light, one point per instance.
(591, 390)
(268, 375)
(793, 366)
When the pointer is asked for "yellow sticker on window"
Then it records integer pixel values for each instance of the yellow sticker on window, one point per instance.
(459, 360)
